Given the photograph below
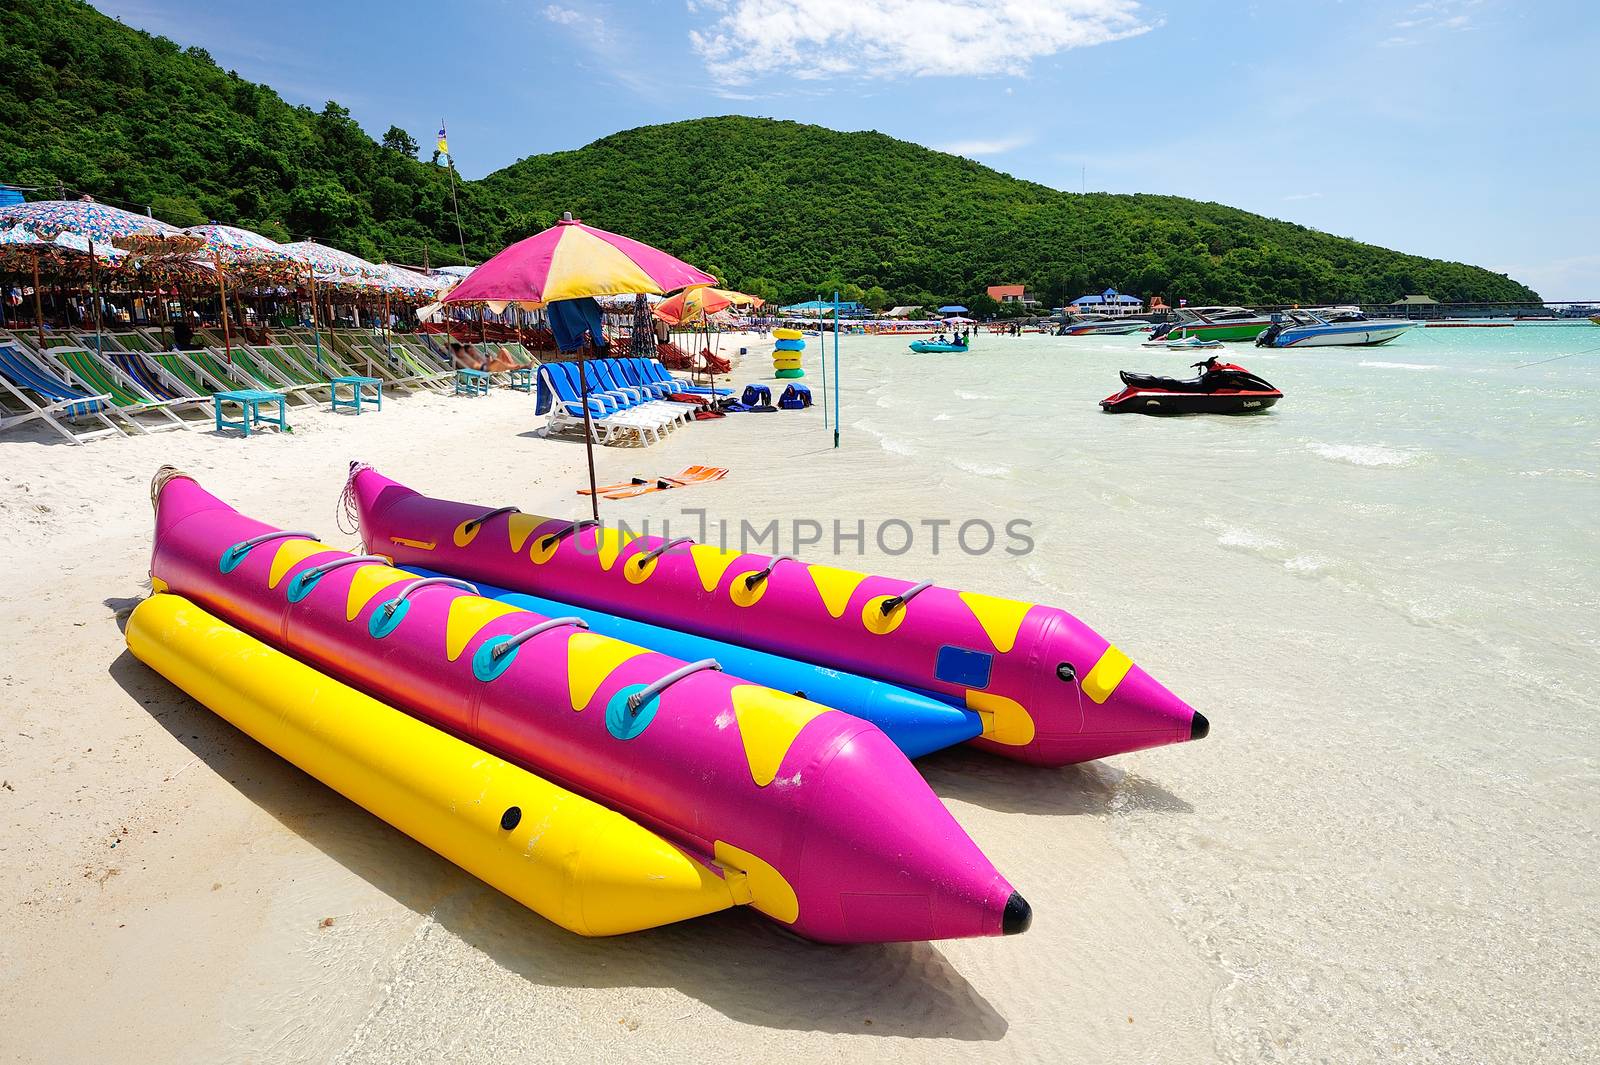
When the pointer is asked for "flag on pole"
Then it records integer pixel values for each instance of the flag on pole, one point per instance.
(444, 142)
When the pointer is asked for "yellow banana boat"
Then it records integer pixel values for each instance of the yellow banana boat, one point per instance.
(588, 869)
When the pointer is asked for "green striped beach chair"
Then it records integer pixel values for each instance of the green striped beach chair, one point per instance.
(305, 355)
(373, 363)
(248, 370)
(289, 369)
(177, 366)
(89, 371)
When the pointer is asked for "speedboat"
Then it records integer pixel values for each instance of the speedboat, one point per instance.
(1186, 344)
(1103, 325)
(1214, 323)
(1335, 327)
(1221, 388)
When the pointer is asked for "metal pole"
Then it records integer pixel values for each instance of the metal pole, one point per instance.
(588, 436)
(835, 369)
(822, 346)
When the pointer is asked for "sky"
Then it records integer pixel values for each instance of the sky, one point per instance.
(1461, 129)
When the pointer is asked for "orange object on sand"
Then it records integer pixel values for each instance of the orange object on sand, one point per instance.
(641, 486)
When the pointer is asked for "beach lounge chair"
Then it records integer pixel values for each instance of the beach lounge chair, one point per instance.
(28, 393)
(559, 396)
(290, 369)
(428, 374)
(658, 372)
(367, 362)
(325, 369)
(89, 370)
(650, 393)
(152, 378)
(641, 407)
(176, 366)
(249, 372)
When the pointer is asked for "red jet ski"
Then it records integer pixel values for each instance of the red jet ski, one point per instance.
(1221, 388)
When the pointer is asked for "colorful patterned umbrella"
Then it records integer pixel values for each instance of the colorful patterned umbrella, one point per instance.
(399, 281)
(20, 237)
(336, 265)
(571, 260)
(238, 247)
(97, 222)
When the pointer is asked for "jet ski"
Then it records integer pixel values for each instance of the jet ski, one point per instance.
(1221, 388)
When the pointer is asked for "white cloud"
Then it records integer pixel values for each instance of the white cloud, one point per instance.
(1292, 197)
(1439, 15)
(741, 40)
(563, 16)
(976, 148)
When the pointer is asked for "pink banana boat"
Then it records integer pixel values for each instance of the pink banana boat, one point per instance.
(1050, 690)
(820, 816)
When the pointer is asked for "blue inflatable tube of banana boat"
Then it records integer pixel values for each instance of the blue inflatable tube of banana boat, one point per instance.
(918, 724)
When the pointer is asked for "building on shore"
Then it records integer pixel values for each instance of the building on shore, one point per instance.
(1017, 294)
(1110, 302)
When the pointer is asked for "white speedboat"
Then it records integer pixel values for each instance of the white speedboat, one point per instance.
(1338, 327)
(1102, 325)
(1217, 323)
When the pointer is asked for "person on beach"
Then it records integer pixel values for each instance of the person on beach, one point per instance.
(502, 361)
(464, 357)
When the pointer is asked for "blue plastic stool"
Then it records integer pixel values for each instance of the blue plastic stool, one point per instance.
(472, 382)
(250, 401)
(521, 379)
(356, 396)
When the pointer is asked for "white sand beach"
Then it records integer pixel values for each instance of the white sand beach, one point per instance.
(1319, 880)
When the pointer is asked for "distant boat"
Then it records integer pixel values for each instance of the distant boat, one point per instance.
(1217, 323)
(1335, 327)
(1103, 325)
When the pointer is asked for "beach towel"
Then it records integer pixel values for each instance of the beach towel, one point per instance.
(573, 320)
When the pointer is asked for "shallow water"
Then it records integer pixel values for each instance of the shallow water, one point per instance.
(1385, 594)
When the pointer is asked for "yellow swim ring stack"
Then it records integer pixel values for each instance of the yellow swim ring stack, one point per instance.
(786, 356)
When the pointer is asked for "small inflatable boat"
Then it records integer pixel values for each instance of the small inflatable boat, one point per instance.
(930, 347)
(1221, 388)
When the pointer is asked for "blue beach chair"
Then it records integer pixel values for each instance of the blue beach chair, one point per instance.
(37, 394)
(611, 415)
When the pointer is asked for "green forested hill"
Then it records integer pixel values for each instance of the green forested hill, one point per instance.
(778, 207)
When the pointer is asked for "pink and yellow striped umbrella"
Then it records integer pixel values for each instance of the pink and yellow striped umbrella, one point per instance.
(695, 304)
(571, 260)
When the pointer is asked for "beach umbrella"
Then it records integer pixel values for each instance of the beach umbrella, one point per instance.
(572, 261)
(335, 267)
(953, 309)
(693, 305)
(85, 219)
(240, 252)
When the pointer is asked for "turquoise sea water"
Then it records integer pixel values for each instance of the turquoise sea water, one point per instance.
(1385, 593)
